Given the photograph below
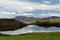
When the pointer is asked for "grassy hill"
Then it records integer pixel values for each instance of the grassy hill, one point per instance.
(48, 23)
(33, 36)
(10, 24)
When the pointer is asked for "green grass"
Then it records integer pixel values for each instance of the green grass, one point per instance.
(33, 36)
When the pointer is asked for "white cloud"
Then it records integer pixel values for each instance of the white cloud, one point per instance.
(26, 6)
(7, 14)
(25, 14)
(38, 15)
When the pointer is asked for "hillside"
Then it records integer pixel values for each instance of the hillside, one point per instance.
(10, 24)
(18, 22)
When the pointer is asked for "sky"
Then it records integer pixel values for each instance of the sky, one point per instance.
(30, 8)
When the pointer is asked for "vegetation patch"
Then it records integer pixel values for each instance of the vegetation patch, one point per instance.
(33, 36)
(48, 23)
(10, 24)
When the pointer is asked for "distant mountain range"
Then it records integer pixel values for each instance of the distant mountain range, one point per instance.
(33, 19)
(52, 17)
(26, 19)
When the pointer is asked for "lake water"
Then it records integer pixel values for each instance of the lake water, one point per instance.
(30, 29)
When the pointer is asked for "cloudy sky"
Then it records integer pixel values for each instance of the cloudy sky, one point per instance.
(35, 8)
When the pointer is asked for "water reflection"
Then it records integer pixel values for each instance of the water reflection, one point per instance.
(31, 28)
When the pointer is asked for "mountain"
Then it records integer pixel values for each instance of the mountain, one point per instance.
(26, 19)
(52, 17)
(33, 19)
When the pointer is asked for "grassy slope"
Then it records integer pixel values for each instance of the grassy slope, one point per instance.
(33, 36)
(48, 23)
(10, 24)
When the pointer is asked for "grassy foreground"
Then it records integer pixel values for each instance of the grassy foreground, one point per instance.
(33, 36)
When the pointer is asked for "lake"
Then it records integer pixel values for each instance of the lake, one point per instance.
(30, 29)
